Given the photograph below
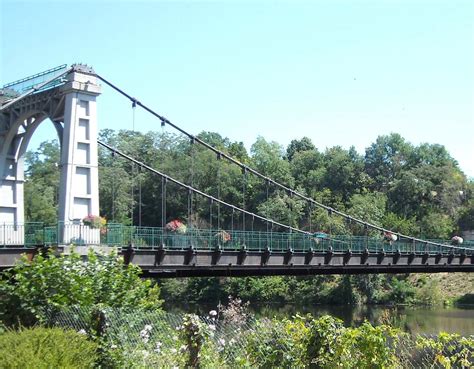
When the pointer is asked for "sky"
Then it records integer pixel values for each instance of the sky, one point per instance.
(339, 72)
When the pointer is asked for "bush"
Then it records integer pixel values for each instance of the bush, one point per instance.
(321, 343)
(151, 340)
(39, 348)
(67, 280)
(448, 350)
(277, 343)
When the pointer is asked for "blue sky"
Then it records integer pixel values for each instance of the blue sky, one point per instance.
(339, 72)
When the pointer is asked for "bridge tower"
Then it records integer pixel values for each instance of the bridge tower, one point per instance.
(70, 104)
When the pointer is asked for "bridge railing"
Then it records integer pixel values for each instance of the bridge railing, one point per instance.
(35, 234)
(206, 239)
(21, 235)
(27, 83)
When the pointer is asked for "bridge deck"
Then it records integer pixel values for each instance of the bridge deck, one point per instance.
(201, 252)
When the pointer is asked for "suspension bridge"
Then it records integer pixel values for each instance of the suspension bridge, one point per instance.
(256, 244)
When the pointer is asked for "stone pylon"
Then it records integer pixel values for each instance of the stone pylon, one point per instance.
(71, 107)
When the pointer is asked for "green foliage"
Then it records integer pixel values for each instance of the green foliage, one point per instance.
(198, 347)
(258, 289)
(449, 350)
(400, 292)
(305, 342)
(436, 225)
(40, 203)
(141, 339)
(277, 343)
(466, 218)
(414, 190)
(428, 293)
(66, 280)
(345, 292)
(400, 224)
(418, 190)
(45, 348)
(323, 221)
(267, 158)
(331, 345)
(297, 146)
(308, 170)
(370, 287)
(370, 207)
(386, 159)
(324, 289)
(42, 183)
(343, 171)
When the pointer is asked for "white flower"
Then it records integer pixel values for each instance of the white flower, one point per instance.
(145, 335)
(82, 331)
(182, 348)
(212, 327)
(113, 347)
(213, 313)
(175, 338)
(173, 350)
(148, 327)
(221, 341)
(158, 347)
(232, 341)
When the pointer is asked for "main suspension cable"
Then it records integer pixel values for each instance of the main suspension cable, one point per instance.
(164, 121)
(196, 191)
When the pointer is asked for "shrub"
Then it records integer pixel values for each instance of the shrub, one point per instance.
(67, 280)
(331, 345)
(46, 348)
(277, 343)
(448, 350)
(321, 343)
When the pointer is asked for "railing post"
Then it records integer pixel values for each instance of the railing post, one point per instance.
(366, 230)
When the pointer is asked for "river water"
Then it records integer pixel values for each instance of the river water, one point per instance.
(416, 320)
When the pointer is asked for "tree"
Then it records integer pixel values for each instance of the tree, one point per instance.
(466, 219)
(214, 139)
(283, 208)
(396, 223)
(386, 159)
(436, 225)
(408, 195)
(307, 167)
(40, 203)
(267, 158)
(369, 207)
(432, 155)
(296, 146)
(42, 183)
(343, 171)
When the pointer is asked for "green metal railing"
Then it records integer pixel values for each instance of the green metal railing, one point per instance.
(119, 235)
(27, 83)
(27, 234)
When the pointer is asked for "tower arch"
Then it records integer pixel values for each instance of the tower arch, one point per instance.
(71, 106)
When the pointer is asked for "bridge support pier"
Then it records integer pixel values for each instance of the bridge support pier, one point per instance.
(71, 107)
(79, 183)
